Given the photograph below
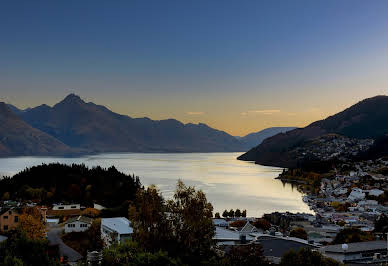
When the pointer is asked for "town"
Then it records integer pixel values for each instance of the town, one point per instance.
(349, 226)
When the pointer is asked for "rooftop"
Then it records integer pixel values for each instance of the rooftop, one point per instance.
(119, 224)
(227, 234)
(83, 219)
(356, 247)
(276, 247)
(3, 238)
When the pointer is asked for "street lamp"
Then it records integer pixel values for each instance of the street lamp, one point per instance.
(344, 248)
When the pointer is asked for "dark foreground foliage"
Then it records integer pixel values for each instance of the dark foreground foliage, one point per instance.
(18, 250)
(306, 257)
(71, 183)
(352, 235)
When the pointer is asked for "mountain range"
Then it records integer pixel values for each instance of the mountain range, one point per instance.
(364, 120)
(253, 139)
(74, 126)
(18, 138)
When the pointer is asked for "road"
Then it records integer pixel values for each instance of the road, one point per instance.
(54, 237)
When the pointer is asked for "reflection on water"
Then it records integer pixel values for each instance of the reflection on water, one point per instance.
(227, 182)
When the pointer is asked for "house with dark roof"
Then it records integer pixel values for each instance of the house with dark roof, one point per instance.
(359, 252)
(274, 247)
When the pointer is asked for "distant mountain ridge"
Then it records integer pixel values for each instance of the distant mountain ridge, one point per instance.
(18, 138)
(97, 129)
(254, 139)
(366, 119)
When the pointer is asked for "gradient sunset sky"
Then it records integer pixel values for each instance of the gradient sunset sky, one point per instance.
(238, 66)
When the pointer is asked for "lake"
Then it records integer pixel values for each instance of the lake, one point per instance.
(227, 182)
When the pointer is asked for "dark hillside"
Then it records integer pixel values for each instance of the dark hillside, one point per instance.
(76, 184)
(366, 119)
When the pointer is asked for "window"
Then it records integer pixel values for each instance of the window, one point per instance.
(60, 208)
(71, 225)
(10, 212)
(16, 219)
(5, 217)
(5, 227)
(73, 207)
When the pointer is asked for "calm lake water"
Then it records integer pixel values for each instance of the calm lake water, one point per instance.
(227, 182)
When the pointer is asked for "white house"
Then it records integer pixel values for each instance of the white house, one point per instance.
(78, 224)
(98, 207)
(115, 230)
(220, 222)
(60, 207)
(375, 192)
(340, 191)
(228, 237)
(356, 194)
(360, 252)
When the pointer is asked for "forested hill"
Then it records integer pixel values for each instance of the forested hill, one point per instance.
(55, 183)
(366, 119)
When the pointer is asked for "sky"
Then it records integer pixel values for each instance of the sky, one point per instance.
(238, 66)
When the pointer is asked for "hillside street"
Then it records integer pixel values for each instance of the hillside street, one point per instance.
(54, 237)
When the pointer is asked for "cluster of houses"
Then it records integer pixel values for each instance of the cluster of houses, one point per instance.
(115, 229)
(352, 199)
(332, 146)
(275, 241)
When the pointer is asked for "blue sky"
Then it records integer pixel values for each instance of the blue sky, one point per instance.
(225, 63)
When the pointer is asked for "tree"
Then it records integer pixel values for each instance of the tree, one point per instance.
(238, 223)
(91, 212)
(225, 214)
(18, 249)
(6, 196)
(30, 222)
(149, 219)
(381, 224)
(129, 253)
(251, 254)
(244, 213)
(306, 257)
(94, 235)
(231, 213)
(351, 235)
(237, 213)
(191, 219)
(299, 233)
(217, 215)
(88, 240)
(12, 261)
(262, 224)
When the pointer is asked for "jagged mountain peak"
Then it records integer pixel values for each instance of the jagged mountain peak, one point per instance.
(72, 99)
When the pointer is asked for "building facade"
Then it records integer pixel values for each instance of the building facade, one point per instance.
(78, 224)
(9, 219)
(115, 230)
